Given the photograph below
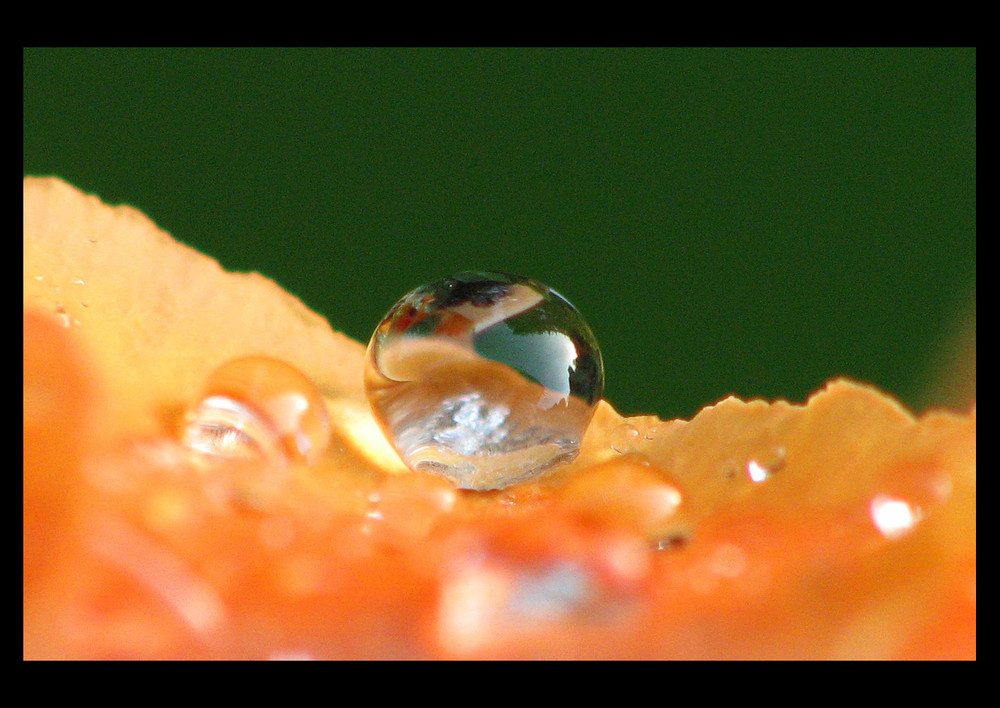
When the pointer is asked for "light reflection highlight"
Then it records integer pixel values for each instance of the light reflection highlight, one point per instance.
(893, 517)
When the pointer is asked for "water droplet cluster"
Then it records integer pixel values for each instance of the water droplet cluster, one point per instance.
(484, 378)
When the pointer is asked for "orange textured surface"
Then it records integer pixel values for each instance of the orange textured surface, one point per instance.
(839, 529)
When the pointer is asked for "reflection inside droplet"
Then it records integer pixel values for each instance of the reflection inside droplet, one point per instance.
(672, 541)
(486, 379)
(222, 427)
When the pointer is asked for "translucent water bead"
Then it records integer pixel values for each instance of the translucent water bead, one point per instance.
(484, 378)
(256, 406)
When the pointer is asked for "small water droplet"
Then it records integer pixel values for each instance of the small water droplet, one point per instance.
(624, 438)
(259, 407)
(761, 467)
(672, 541)
(78, 282)
(39, 278)
(227, 428)
(486, 379)
(94, 237)
(64, 317)
(893, 517)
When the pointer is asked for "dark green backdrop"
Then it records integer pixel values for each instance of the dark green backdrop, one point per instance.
(749, 221)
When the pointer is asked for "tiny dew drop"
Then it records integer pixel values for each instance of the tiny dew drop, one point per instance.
(624, 438)
(672, 540)
(486, 379)
(64, 317)
(760, 467)
(893, 517)
(258, 407)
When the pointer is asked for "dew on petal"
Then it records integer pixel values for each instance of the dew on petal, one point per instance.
(486, 379)
(894, 518)
(258, 407)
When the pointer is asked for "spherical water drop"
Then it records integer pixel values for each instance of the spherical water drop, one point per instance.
(255, 407)
(486, 379)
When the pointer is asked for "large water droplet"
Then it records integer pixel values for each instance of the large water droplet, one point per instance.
(486, 379)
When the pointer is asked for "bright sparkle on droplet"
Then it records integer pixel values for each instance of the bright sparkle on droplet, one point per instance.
(893, 517)
(756, 471)
(486, 379)
(226, 428)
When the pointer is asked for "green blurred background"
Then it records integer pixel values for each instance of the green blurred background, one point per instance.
(751, 221)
